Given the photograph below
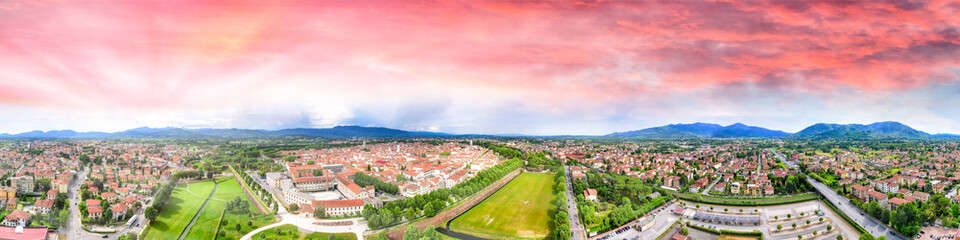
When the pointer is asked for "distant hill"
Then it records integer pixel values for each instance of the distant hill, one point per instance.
(145, 132)
(737, 130)
(741, 130)
(860, 131)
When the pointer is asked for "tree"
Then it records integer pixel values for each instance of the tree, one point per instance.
(829, 227)
(685, 231)
(808, 221)
(799, 237)
(794, 225)
(411, 233)
(866, 236)
(319, 212)
(332, 237)
(429, 233)
(839, 237)
(776, 217)
(150, 213)
(238, 227)
(294, 207)
(779, 227)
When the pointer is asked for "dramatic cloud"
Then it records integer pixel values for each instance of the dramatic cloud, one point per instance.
(537, 67)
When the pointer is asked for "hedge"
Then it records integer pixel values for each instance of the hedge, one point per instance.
(745, 203)
(728, 232)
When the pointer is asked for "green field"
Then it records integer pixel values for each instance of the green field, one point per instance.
(179, 210)
(206, 225)
(228, 190)
(521, 209)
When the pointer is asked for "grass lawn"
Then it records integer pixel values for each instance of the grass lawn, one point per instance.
(286, 231)
(227, 190)
(521, 209)
(206, 225)
(178, 211)
(325, 236)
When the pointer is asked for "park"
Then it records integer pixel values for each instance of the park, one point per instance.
(521, 209)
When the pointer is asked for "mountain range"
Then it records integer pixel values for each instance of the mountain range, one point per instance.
(693, 130)
(170, 132)
(878, 130)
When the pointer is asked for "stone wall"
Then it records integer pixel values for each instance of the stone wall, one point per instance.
(441, 219)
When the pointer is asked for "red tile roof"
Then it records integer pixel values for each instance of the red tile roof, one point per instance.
(17, 215)
(47, 203)
(28, 233)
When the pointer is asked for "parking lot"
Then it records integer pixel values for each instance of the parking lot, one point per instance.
(937, 233)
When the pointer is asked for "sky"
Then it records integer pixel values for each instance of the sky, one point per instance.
(499, 67)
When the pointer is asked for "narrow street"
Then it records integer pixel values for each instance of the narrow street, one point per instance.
(73, 230)
(576, 228)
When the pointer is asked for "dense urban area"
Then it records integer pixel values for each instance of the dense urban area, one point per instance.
(479, 188)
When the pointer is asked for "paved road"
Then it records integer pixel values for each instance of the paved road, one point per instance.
(576, 228)
(72, 228)
(952, 192)
(866, 221)
(706, 190)
(873, 226)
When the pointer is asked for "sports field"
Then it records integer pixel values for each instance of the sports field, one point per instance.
(179, 210)
(521, 209)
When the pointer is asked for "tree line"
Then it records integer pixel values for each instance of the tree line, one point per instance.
(365, 180)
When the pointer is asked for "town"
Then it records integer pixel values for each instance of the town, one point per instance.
(382, 188)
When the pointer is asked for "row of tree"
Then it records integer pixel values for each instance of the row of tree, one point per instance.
(561, 222)
(365, 180)
(907, 218)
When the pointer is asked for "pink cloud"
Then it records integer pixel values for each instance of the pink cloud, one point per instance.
(207, 54)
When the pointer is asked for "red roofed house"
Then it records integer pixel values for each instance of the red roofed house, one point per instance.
(92, 202)
(94, 212)
(12, 203)
(44, 206)
(860, 191)
(119, 211)
(590, 194)
(879, 197)
(17, 218)
(61, 185)
(52, 194)
(110, 197)
(896, 202)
